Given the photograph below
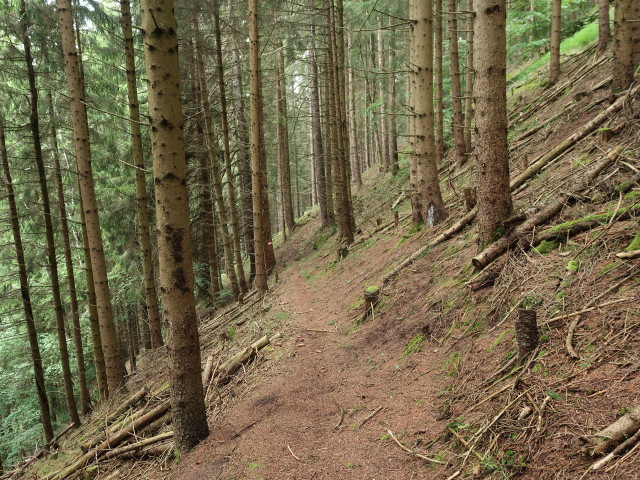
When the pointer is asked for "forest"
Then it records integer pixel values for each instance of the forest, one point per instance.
(220, 223)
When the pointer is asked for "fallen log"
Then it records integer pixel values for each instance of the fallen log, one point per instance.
(233, 364)
(154, 451)
(628, 255)
(626, 426)
(96, 453)
(500, 246)
(138, 445)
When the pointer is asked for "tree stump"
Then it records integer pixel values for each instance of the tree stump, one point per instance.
(396, 218)
(470, 198)
(527, 334)
(371, 300)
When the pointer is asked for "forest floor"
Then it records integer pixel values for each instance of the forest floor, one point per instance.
(322, 403)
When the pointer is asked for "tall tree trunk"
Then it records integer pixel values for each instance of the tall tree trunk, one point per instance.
(94, 323)
(85, 400)
(221, 209)
(354, 153)
(325, 102)
(492, 168)
(174, 243)
(382, 86)
(341, 174)
(52, 260)
(231, 190)
(468, 89)
(82, 147)
(244, 162)
(456, 95)
(604, 30)
(635, 34)
(431, 206)
(556, 19)
(209, 222)
(258, 175)
(316, 135)
(439, 106)
(32, 334)
(622, 46)
(284, 166)
(150, 293)
(392, 129)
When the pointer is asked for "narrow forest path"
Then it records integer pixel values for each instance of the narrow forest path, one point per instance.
(284, 424)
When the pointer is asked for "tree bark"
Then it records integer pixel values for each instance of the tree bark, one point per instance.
(258, 175)
(85, 400)
(604, 30)
(233, 210)
(94, 323)
(439, 106)
(556, 19)
(244, 162)
(174, 243)
(382, 98)
(392, 129)
(431, 206)
(82, 147)
(32, 334)
(492, 167)
(468, 101)
(316, 135)
(456, 95)
(354, 154)
(284, 167)
(622, 66)
(150, 293)
(52, 261)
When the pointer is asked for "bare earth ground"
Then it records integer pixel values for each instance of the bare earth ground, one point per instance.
(285, 425)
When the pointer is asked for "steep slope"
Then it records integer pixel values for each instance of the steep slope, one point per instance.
(428, 386)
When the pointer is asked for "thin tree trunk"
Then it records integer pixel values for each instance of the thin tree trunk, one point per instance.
(604, 30)
(174, 251)
(150, 293)
(85, 400)
(328, 144)
(439, 107)
(258, 176)
(284, 166)
(210, 231)
(456, 95)
(354, 152)
(556, 19)
(468, 100)
(244, 162)
(38, 371)
(233, 210)
(52, 260)
(82, 147)
(431, 206)
(318, 153)
(392, 129)
(492, 168)
(382, 86)
(94, 323)
(221, 210)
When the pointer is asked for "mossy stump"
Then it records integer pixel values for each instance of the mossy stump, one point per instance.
(527, 334)
(371, 300)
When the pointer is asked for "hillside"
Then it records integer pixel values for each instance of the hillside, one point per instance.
(428, 385)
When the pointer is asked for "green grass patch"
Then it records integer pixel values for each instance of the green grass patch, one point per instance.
(414, 345)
